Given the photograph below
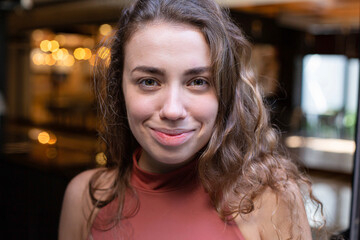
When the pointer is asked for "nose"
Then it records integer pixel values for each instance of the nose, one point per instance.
(173, 107)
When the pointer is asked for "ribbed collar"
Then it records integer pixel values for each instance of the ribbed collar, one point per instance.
(158, 182)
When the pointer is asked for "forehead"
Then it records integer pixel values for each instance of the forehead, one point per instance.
(163, 42)
(160, 26)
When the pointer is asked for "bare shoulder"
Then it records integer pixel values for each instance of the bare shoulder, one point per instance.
(277, 215)
(79, 183)
(77, 207)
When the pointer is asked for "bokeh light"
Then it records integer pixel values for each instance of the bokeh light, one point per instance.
(38, 59)
(105, 29)
(104, 52)
(79, 53)
(92, 60)
(60, 54)
(49, 60)
(45, 45)
(100, 158)
(43, 137)
(88, 54)
(49, 46)
(54, 45)
(52, 139)
(69, 61)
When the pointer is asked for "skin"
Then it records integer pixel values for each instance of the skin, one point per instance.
(171, 102)
(171, 108)
(271, 218)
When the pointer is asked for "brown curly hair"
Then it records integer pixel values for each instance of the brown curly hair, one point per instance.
(242, 157)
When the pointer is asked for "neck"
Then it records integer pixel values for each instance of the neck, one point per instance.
(157, 166)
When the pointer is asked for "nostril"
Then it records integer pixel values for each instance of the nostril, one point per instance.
(173, 107)
(173, 112)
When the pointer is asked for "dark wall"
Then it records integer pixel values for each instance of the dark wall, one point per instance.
(258, 29)
(3, 49)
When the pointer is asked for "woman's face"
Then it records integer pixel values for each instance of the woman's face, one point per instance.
(170, 99)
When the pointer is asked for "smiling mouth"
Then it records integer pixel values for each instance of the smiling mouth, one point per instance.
(171, 137)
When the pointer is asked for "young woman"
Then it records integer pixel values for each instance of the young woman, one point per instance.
(190, 151)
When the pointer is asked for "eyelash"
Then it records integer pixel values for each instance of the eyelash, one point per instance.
(204, 82)
(144, 83)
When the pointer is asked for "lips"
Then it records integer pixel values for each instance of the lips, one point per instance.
(171, 137)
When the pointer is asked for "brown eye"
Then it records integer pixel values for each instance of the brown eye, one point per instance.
(198, 82)
(149, 82)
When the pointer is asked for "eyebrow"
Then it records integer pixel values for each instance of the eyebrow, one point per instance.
(197, 70)
(161, 72)
(148, 69)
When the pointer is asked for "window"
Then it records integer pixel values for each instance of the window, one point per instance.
(324, 142)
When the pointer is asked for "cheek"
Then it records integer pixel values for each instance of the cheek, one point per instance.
(212, 114)
(137, 110)
(206, 111)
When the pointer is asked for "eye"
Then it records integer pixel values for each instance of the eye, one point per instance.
(198, 82)
(148, 83)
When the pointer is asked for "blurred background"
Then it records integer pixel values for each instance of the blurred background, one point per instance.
(306, 56)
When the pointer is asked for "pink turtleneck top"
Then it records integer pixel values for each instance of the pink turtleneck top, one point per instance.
(172, 206)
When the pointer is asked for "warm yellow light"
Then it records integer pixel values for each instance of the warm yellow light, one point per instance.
(69, 61)
(100, 158)
(52, 139)
(43, 137)
(60, 54)
(49, 60)
(38, 59)
(54, 45)
(88, 54)
(104, 52)
(65, 51)
(79, 53)
(57, 55)
(45, 45)
(61, 39)
(92, 60)
(105, 29)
